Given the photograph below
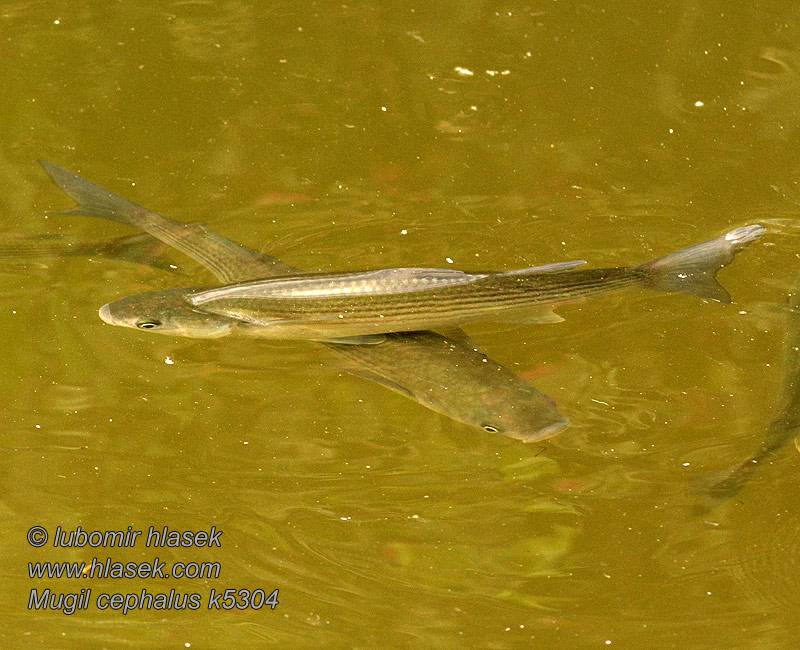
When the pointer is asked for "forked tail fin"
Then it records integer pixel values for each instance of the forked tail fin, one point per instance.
(93, 200)
(229, 261)
(693, 270)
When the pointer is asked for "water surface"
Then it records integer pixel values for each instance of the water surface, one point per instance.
(343, 137)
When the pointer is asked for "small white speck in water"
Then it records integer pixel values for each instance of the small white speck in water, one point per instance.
(168, 361)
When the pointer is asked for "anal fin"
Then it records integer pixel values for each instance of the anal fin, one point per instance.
(541, 315)
(364, 339)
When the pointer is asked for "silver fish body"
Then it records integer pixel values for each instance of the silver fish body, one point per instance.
(338, 306)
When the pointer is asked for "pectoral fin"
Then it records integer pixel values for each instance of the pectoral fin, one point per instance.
(380, 379)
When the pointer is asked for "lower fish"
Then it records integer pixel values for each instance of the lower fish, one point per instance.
(451, 375)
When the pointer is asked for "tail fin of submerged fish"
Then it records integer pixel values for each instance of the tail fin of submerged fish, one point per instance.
(693, 270)
(93, 200)
(228, 260)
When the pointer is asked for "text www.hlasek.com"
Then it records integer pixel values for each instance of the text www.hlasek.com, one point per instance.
(110, 569)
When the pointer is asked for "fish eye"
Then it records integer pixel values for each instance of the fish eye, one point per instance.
(490, 428)
(149, 324)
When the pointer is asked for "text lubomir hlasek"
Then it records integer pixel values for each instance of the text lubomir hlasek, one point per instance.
(154, 538)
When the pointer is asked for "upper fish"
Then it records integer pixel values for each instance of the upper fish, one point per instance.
(351, 305)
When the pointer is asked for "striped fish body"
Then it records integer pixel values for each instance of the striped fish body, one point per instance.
(341, 305)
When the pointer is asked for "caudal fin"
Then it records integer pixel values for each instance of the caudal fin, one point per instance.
(693, 270)
(93, 200)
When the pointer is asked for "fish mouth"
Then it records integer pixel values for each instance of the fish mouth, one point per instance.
(547, 432)
(105, 314)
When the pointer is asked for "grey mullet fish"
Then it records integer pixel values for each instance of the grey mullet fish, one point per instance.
(360, 307)
(448, 374)
(716, 488)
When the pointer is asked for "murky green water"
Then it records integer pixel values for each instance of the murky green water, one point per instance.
(373, 135)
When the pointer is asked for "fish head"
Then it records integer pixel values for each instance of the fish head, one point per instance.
(518, 411)
(166, 312)
(451, 375)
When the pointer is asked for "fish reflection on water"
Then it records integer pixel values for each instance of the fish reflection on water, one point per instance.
(446, 373)
(716, 488)
(138, 249)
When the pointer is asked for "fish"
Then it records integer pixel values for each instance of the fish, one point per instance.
(714, 489)
(139, 249)
(359, 307)
(450, 374)
(446, 373)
